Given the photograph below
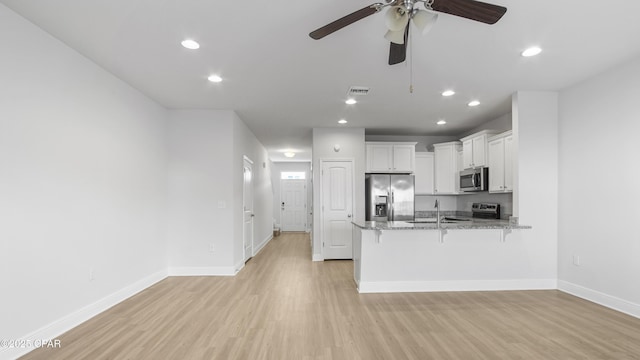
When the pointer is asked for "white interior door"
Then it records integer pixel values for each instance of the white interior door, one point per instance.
(293, 204)
(247, 202)
(337, 209)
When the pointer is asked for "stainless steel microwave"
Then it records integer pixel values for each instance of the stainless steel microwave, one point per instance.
(474, 179)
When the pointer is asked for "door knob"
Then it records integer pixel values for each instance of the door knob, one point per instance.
(349, 215)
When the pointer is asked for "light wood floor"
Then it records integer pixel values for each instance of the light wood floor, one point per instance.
(283, 306)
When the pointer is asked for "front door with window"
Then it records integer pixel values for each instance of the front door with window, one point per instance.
(293, 204)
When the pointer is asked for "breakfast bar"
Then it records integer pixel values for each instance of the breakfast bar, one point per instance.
(452, 255)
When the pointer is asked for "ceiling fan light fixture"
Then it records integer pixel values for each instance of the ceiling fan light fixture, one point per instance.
(396, 18)
(396, 37)
(424, 20)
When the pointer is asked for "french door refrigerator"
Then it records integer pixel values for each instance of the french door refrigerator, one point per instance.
(389, 197)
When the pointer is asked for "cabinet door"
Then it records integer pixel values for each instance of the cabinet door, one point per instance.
(458, 166)
(423, 173)
(379, 158)
(508, 163)
(496, 165)
(403, 158)
(445, 159)
(467, 154)
(479, 153)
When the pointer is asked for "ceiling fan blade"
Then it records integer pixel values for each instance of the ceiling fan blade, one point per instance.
(398, 52)
(344, 21)
(470, 9)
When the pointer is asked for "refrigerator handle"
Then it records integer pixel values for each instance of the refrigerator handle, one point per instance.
(391, 212)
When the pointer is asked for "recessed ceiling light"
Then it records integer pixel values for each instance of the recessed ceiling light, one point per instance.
(350, 101)
(190, 44)
(289, 154)
(214, 78)
(448, 93)
(532, 51)
(342, 121)
(441, 122)
(474, 103)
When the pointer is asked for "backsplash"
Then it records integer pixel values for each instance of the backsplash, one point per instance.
(460, 205)
(505, 201)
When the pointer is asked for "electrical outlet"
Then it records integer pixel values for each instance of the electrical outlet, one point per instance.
(212, 247)
(576, 260)
(91, 274)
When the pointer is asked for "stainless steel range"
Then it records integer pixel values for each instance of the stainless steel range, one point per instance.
(485, 211)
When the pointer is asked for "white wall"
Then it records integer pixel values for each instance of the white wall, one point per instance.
(291, 166)
(424, 143)
(200, 183)
(82, 183)
(206, 149)
(599, 192)
(535, 131)
(501, 124)
(351, 141)
(246, 144)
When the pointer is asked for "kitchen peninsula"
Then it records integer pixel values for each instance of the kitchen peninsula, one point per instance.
(470, 255)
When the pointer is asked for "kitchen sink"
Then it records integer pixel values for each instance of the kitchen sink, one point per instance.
(432, 222)
(445, 220)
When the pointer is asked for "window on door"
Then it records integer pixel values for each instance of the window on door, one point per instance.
(288, 175)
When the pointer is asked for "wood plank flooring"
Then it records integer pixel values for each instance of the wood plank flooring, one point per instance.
(284, 306)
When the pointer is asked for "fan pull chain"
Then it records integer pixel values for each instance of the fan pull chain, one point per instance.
(410, 63)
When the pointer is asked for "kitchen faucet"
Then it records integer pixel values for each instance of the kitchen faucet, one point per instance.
(437, 206)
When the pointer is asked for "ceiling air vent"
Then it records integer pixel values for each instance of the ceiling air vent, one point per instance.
(358, 91)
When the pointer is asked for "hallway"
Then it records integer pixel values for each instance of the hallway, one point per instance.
(284, 306)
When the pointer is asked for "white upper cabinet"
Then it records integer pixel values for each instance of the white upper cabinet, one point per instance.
(424, 180)
(446, 167)
(385, 157)
(404, 157)
(501, 162)
(379, 158)
(474, 149)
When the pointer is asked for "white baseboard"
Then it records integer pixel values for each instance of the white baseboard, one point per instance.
(603, 299)
(466, 285)
(205, 271)
(239, 266)
(76, 318)
(318, 257)
(262, 245)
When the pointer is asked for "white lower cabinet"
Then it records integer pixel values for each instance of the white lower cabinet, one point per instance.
(424, 180)
(501, 163)
(446, 166)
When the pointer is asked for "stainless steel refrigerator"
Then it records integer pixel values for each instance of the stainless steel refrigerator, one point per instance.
(389, 197)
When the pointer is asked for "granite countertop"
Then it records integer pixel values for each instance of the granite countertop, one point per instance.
(430, 224)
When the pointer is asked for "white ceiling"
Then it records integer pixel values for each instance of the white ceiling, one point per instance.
(282, 83)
